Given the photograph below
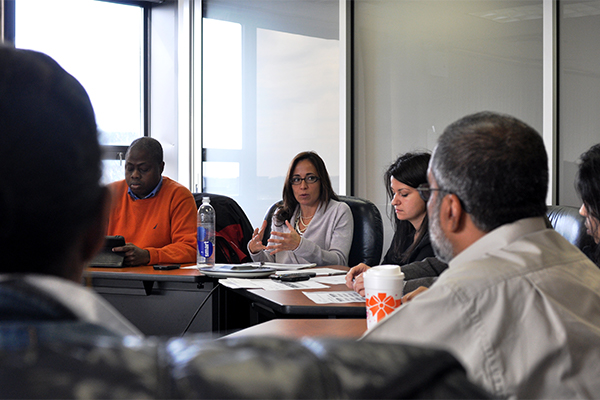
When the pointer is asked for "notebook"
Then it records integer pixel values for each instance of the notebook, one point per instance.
(106, 258)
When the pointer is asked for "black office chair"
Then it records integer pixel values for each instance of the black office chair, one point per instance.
(570, 224)
(367, 240)
(233, 229)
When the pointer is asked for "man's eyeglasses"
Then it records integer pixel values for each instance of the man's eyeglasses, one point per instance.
(425, 191)
(296, 180)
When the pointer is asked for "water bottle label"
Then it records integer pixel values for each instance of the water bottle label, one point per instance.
(205, 248)
(201, 234)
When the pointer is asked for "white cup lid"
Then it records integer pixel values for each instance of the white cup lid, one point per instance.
(392, 271)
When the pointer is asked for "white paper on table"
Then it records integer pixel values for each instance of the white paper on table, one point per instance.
(310, 284)
(269, 284)
(330, 280)
(288, 267)
(335, 297)
(239, 283)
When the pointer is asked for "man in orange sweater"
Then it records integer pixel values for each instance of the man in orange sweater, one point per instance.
(156, 215)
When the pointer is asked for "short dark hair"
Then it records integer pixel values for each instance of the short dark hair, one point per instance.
(411, 170)
(51, 162)
(587, 184)
(289, 201)
(151, 146)
(497, 166)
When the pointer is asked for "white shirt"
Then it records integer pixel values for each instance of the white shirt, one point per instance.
(520, 308)
(82, 302)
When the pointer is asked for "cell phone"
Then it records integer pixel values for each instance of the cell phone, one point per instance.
(113, 241)
(166, 267)
(300, 276)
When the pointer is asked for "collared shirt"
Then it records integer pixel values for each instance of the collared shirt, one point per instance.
(85, 304)
(520, 308)
(150, 195)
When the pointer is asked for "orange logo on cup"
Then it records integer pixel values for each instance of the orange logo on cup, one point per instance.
(382, 305)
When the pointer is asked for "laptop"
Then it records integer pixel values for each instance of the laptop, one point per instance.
(106, 258)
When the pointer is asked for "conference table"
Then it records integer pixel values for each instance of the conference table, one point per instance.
(343, 328)
(159, 303)
(163, 303)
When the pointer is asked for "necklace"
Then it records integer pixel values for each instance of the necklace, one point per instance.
(306, 217)
(302, 219)
(300, 222)
(298, 229)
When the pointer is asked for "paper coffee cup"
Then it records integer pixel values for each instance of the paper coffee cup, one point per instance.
(383, 291)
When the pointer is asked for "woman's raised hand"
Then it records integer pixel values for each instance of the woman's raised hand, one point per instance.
(282, 241)
(255, 244)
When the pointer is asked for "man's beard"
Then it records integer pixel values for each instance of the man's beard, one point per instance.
(441, 245)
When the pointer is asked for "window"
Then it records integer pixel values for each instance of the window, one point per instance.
(102, 45)
(271, 84)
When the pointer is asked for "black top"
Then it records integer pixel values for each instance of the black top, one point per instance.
(421, 252)
(422, 267)
(422, 273)
(592, 253)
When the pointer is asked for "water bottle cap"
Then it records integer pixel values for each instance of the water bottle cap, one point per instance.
(206, 199)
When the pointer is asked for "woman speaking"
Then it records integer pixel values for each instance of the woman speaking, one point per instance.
(312, 225)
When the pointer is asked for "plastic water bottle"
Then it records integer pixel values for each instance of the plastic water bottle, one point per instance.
(206, 233)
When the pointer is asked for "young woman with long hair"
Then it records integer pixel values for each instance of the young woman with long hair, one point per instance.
(410, 246)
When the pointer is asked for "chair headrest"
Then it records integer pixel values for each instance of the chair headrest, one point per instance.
(567, 221)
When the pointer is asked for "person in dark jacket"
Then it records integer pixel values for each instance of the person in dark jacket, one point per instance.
(410, 246)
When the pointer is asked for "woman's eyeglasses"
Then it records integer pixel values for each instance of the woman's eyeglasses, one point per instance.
(296, 180)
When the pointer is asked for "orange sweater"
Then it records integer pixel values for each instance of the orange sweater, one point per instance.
(165, 224)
